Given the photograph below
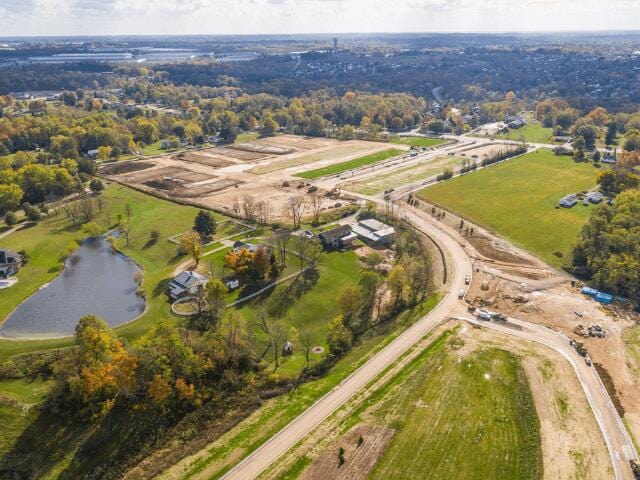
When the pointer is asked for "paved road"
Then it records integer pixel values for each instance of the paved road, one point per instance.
(253, 465)
(619, 444)
(615, 434)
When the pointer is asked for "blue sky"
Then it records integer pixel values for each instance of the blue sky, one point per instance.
(104, 17)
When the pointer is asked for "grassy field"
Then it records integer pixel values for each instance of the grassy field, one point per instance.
(333, 152)
(17, 397)
(351, 164)
(423, 142)
(532, 132)
(471, 418)
(517, 200)
(403, 176)
(45, 242)
(245, 137)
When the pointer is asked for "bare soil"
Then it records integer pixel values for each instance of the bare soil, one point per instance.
(359, 459)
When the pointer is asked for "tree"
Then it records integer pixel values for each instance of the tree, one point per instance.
(306, 339)
(339, 338)
(215, 294)
(92, 229)
(316, 201)
(96, 185)
(349, 301)
(612, 134)
(204, 224)
(269, 126)
(241, 262)
(297, 206)
(191, 243)
(10, 218)
(261, 263)
(10, 197)
(104, 152)
(281, 241)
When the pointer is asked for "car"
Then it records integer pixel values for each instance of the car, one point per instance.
(308, 234)
(467, 279)
(461, 294)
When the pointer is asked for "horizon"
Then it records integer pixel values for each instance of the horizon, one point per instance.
(92, 18)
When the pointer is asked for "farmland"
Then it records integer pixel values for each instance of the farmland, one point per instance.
(422, 142)
(351, 164)
(522, 195)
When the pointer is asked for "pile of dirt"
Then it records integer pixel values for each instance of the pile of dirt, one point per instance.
(261, 148)
(492, 249)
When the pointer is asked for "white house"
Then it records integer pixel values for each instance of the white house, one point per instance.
(375, 232)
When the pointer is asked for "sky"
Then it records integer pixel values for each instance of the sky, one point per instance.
(179, 17)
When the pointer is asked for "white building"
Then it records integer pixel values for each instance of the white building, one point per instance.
(375, 232)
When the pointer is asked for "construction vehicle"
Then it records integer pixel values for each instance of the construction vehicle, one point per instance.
(484, 315)
(635, 467)
(499, 317)
(587, 359)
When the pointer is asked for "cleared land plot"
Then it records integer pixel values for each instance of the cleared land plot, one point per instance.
(204, 159)
(532, 132)
(422, 142)
(351, 164)
(328, 154)
(473, 418)
(517, 200)
(403, 176)
(450, 412)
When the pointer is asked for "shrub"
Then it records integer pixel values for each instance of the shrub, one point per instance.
(10, 218)
(32, 213)
(96, 185)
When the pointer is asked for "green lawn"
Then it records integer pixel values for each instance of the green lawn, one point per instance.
(423, 142)
(517, 200)
(245, 137)
(471, 418)
(351, 164)
(47, 240)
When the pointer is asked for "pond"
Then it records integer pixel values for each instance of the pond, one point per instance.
(96, 280)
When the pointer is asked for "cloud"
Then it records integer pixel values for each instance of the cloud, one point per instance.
(68, 17)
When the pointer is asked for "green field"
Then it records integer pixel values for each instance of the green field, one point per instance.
(422, 142)
(338, 151)
(471, 417)
(350, 165)
(517, 200)
(403, 176)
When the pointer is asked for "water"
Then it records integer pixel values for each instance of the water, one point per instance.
(95, 281)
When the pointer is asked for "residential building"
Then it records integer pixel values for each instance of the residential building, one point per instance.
(594, 197)
(186, 283)
(339, 237)
(10, 263)
(568, 201)
(374, 232)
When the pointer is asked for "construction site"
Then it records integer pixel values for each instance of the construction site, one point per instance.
(263, 169)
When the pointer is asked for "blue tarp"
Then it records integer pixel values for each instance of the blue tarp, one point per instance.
(604, 298)
(592, 292)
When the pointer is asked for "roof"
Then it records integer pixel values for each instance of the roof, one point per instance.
(188, 279)
(334, 233)
(372, 224)
(240, 245)
(5, 255)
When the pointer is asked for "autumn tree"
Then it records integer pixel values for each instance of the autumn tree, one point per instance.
(191, 243)
(297, 206)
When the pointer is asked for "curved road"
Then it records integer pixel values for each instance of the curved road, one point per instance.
(614, 432)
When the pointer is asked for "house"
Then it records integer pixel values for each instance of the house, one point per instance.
(594, 197)
(609, 159)
(514, 121)
(250, 247)
(339, 237)
(93, 154)
(10, 263)
(375, 232)
(568, 201)
(605, 298)
(186, 283)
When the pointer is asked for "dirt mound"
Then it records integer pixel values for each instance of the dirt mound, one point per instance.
(265, 149)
